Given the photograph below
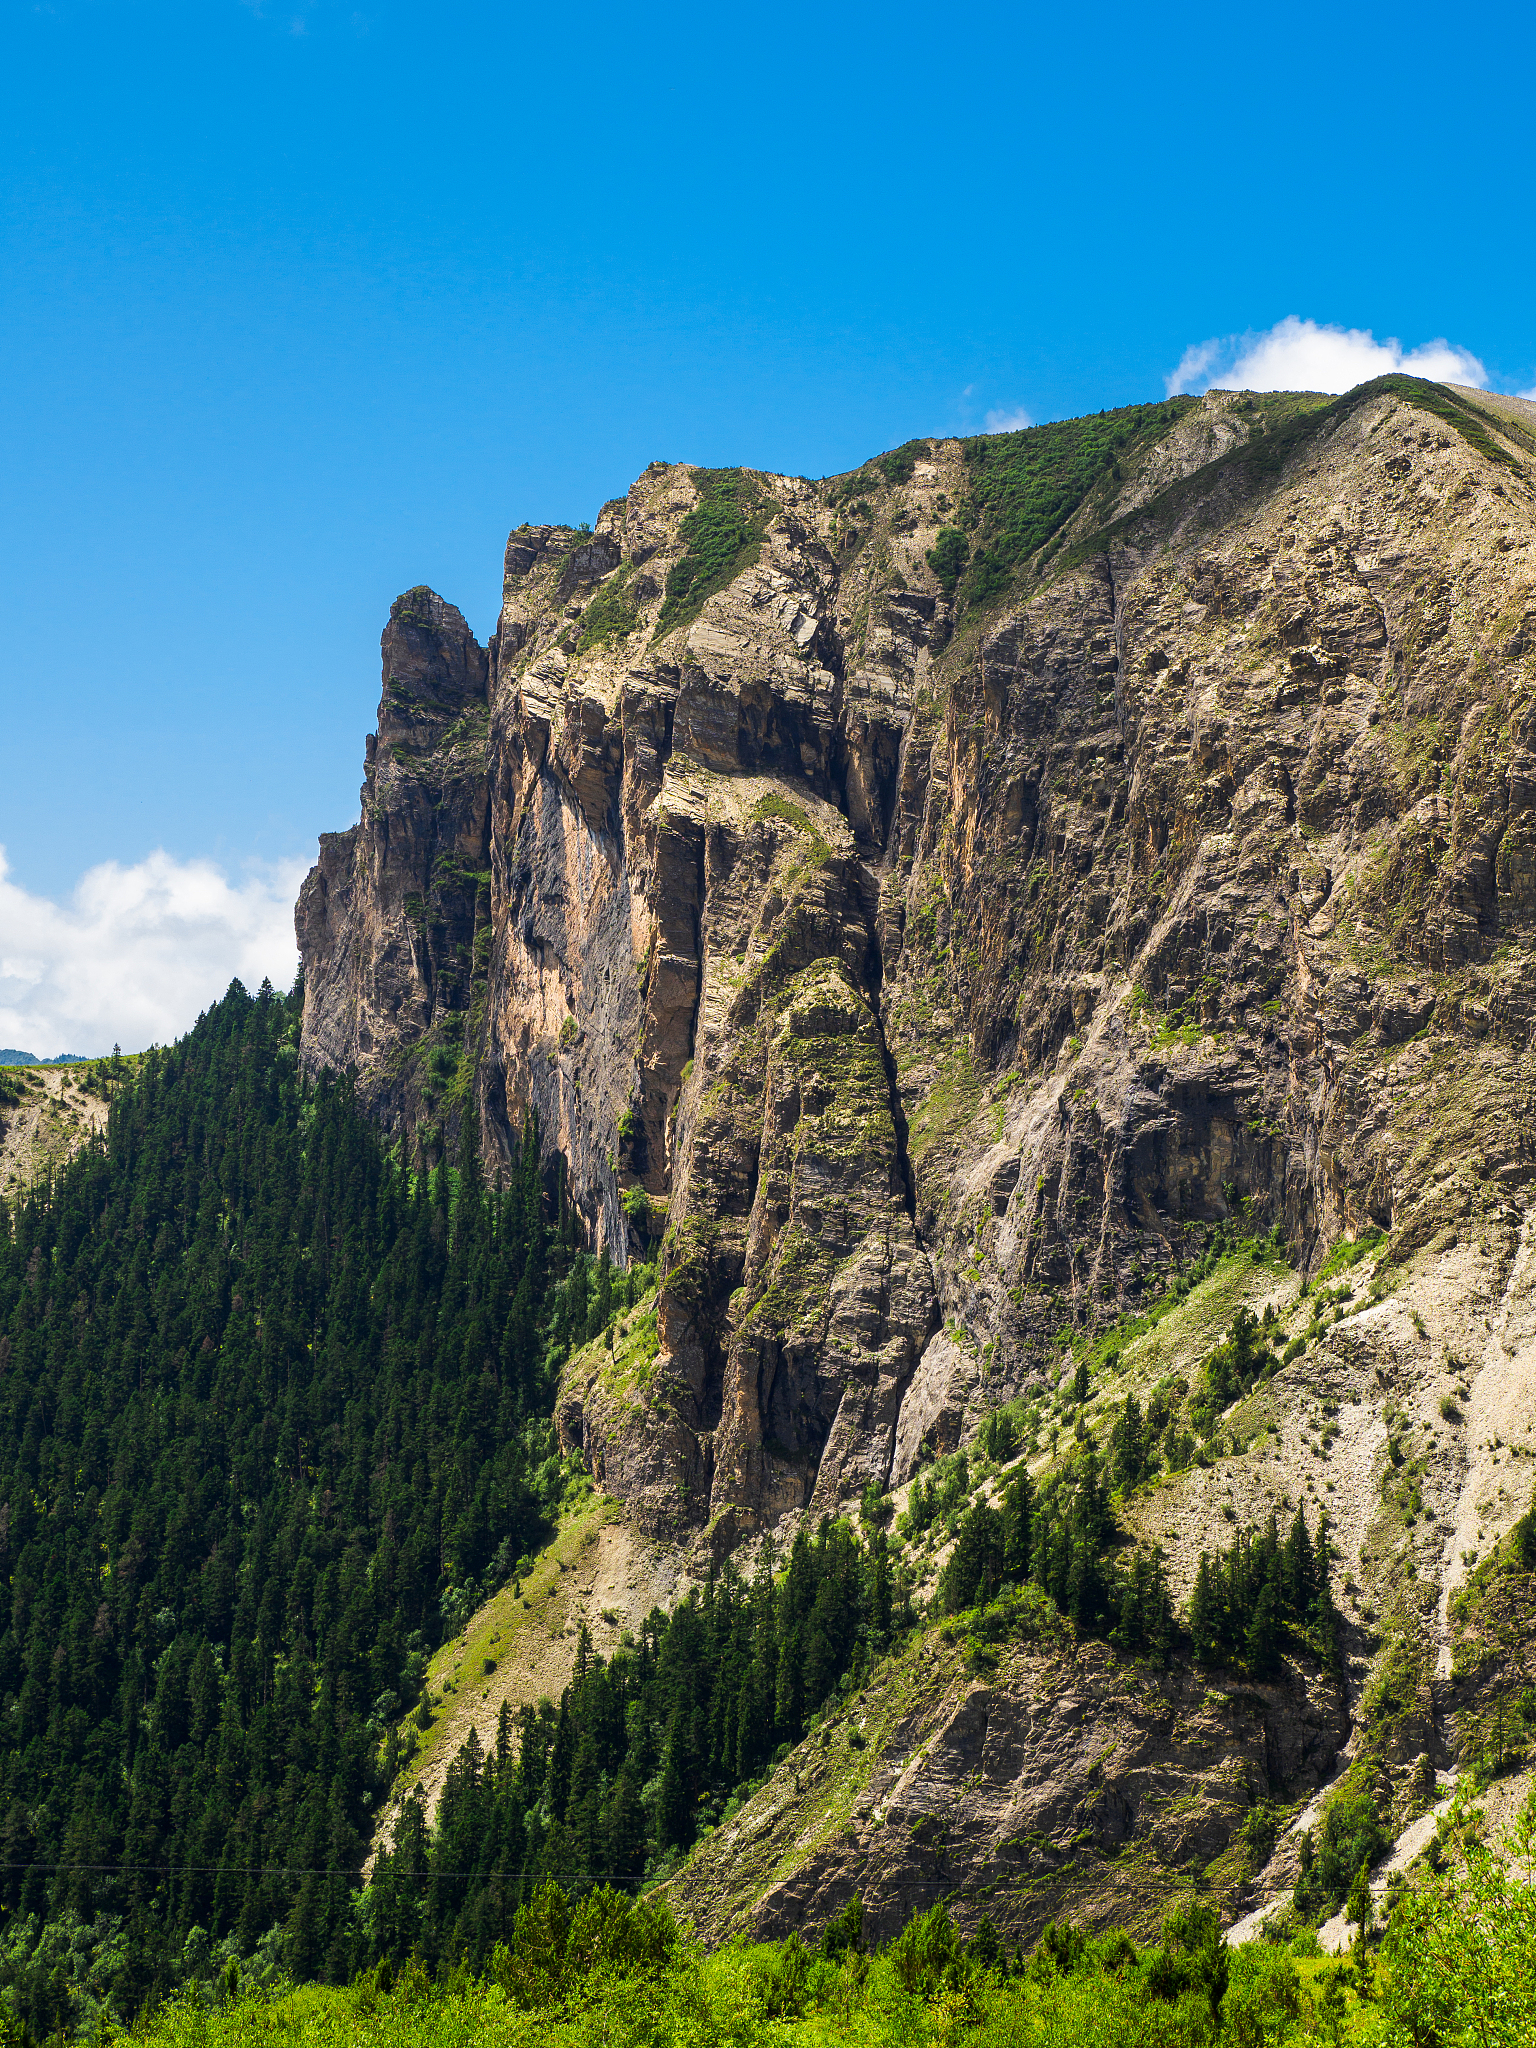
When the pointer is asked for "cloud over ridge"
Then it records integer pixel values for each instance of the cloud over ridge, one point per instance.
(1304, 355)
(138, 950)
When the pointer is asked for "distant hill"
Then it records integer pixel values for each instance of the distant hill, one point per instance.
(10, 1057)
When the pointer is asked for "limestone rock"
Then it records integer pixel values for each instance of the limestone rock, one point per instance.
(886, 971)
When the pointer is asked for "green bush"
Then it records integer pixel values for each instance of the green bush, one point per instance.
(928, 1952)
(1351, 1834)
(557, 1948)
(947, 557)
(875, 1505)
(719, 537)
(612, 615)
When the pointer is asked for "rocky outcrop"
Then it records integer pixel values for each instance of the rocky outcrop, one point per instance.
(919, 973)
(1064, 1785)
(392, 918)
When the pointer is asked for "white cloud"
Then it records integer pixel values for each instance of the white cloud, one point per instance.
(1301, 355)
(136, 952)
(1193, 364)
(1007, 419)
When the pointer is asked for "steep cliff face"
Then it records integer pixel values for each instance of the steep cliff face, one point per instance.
(396, 913)
(918, 907)
(928, 955)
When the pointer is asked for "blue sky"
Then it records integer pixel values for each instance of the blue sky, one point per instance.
(304, 304)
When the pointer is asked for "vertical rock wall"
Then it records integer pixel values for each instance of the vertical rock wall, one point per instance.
(915, 982)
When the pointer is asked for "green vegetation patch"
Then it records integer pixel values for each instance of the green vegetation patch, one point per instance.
(897, 466)
(636, 1346)
(413, 607)
(949, 1104)
(772, 805)
(813, 847)
(720, 538)
(948, 556)
(1193, 1315)
(613, 613)
(1348, 1252)
(605, 1967)
(1027, 485)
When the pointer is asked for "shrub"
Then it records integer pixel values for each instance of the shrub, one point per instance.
(1260, 1828)
(1351, 1834)
(844, 1933)
(782, 1979)
(612, 615)
(947, 557)
(1263, 2001)
(928, 1952)
(875, 1505)
(718, 537)
(1193, 1957)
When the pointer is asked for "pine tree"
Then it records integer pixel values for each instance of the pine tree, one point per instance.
(1261, 1650)
(1128, 1447)
(1018, 1529)
(674, 1821)
(1203, 1620)
(626, 1828)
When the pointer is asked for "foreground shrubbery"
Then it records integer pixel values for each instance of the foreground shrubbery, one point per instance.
(1457, 1970)
(611, 1972)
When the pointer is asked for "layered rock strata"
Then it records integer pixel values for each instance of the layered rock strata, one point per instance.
(914, 970)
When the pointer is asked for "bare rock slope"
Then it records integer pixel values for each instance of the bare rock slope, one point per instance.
(46, 1115)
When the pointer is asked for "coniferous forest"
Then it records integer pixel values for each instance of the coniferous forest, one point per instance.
(642, 1751)
(272, 1414)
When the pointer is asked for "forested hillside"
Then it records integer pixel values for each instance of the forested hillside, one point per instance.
(273, 1420)
(272, 1416)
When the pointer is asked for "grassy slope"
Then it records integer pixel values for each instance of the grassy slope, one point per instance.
(59, 1108)
(594, 1570)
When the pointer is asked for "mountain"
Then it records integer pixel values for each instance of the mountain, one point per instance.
(884, 1256)
(985, 924)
